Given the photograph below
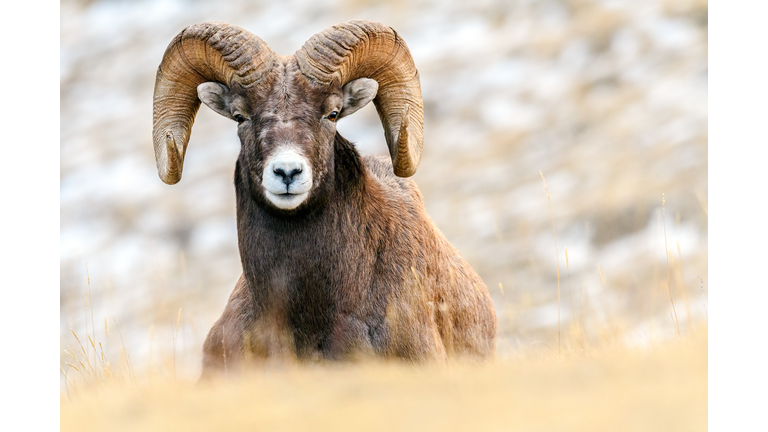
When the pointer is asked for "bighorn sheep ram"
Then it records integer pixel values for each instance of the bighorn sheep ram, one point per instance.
(340, 259)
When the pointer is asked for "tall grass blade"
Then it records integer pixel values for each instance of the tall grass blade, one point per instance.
(557, 259)
(669, 281)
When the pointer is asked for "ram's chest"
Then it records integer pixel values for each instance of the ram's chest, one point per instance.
(300, 298)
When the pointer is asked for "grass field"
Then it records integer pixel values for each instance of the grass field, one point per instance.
(663, 387)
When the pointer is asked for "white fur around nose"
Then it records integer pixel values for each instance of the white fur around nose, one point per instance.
(287, 196)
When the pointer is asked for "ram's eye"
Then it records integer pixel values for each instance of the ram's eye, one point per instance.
(239, 118)
(333, 115)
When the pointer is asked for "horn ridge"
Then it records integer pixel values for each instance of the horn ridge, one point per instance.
(210, 51)
(367, 49)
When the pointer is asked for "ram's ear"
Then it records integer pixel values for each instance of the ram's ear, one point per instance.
(357, 94)
(217, 97)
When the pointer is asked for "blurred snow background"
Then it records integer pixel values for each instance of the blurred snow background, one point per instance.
(607, 98)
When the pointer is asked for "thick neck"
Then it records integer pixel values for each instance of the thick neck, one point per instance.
(268, 240)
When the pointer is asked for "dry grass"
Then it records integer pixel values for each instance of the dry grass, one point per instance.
(602, 385)
(664, 388)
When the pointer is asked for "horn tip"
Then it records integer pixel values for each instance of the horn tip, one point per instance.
(170, 180)
(404, 172)
(169, 168)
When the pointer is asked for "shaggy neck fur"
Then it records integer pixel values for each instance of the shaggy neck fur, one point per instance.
(300, 254)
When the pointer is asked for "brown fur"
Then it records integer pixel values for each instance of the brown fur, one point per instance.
(356, 270)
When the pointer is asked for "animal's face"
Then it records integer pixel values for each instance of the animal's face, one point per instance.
(286, 107)
(286, 127)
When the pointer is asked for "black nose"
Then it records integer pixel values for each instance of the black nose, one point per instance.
(287, 178)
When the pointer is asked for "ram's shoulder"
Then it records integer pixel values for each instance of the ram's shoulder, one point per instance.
(391, 192)
(380, 167)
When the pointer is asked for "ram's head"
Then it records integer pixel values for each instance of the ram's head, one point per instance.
(286, 107)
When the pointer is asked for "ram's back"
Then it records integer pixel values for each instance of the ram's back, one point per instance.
(457, 301)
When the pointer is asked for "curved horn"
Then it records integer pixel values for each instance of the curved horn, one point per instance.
(366, 49)
(212, 51)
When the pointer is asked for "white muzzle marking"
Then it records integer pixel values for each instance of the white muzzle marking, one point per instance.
(287, 179)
